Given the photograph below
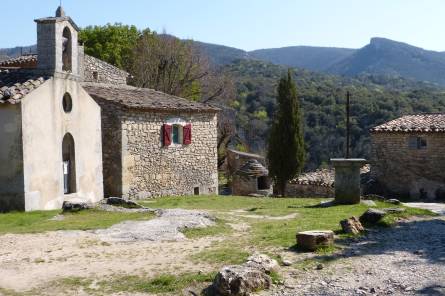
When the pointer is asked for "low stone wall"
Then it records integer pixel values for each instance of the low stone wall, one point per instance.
(307, 190)
(96, 70)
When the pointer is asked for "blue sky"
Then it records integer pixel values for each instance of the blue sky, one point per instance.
(246, 24)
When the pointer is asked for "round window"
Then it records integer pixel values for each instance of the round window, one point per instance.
(67, 103)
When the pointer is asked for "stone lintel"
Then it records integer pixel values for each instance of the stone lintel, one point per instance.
(348, 162)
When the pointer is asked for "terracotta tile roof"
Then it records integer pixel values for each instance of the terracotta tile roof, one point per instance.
(427, 123)
(15, 84)
(143, 98)
(24, 62)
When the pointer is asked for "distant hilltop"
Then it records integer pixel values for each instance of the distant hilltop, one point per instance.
(380, 57)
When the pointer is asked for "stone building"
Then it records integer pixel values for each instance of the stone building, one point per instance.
(70, 127)
(249, 174)
(408, 159)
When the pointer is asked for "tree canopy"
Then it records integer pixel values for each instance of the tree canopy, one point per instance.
(112, 43)
(286, 152)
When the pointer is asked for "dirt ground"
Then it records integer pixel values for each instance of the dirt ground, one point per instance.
(145, 248)
(408, 259)
(31, 260)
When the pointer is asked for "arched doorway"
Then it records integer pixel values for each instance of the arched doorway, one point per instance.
(67, 50)
(69, 164)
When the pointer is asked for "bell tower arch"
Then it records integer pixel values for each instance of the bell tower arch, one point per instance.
(57, 44)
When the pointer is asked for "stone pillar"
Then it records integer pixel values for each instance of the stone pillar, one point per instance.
(347, 179)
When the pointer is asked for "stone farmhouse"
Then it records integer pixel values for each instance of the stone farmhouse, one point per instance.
(71, 128)
(408, 159)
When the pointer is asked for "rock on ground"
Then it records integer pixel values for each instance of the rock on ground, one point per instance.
(262, 262)
(117, 201)
(372, 216)
(240, 280)
(166, 227)
(75, 205)
(351, 225)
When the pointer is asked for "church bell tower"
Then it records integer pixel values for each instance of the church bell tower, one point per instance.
(57, 44)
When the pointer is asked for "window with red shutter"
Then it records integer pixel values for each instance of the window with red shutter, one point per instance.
(167, 134)
(187, 134)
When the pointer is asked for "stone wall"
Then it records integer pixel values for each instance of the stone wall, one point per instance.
(404, 172)
(309, 190)
(96, 70)
(12, 192)
(136, 165)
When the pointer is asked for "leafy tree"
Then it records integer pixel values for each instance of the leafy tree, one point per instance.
(111, 43)
(286, 152)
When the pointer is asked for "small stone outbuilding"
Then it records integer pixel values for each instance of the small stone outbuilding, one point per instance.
(408, 157)
(249, 174)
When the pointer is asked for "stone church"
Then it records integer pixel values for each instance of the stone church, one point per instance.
(71, 128)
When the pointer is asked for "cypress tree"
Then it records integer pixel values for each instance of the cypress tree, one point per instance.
(286, 152)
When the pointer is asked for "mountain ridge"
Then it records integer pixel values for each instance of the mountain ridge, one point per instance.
(382, 56)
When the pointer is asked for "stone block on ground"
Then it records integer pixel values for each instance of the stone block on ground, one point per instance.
(351, 225)
(372, 216)
(312, 240)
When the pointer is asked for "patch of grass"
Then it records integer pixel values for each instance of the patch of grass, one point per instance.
(164, 283)
(391, 219)
(75, 282)
(8, 292)
(275, 276)
(39, 221)
(280, 233)
(222, 255)
(326, 250)
(219, 228)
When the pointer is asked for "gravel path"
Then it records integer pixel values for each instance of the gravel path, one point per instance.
(408, 259)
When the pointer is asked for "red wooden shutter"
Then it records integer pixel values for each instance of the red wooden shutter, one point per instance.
(167, 134)
(187, 134)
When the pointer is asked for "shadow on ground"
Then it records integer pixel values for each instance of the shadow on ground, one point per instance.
(424, 238)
